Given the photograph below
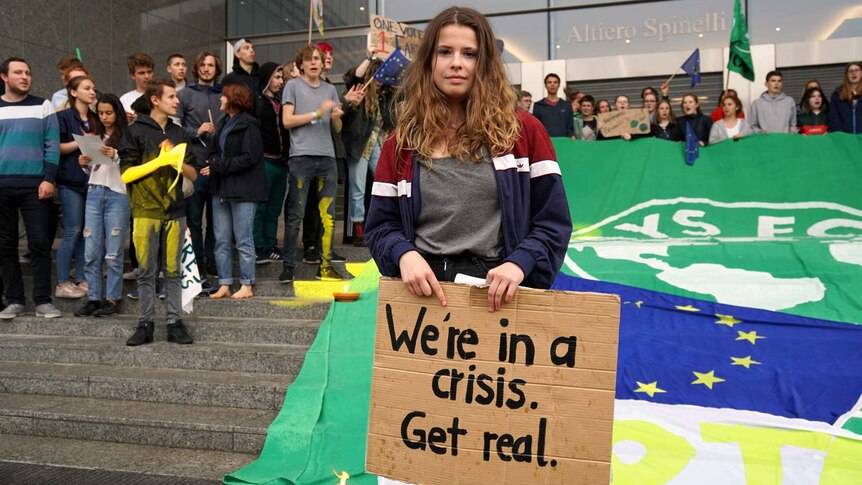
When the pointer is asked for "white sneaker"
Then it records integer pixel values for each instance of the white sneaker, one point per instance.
(83, 286)
(132, 274)
(67, 289)
(11, 311)
(47, 310)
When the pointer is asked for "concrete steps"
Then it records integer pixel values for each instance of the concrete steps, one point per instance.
(75, 401)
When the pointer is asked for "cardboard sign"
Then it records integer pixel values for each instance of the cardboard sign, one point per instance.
(387, 33)
(460, 395)
(615, 123)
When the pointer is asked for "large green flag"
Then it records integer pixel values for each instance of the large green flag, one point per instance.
(739, 60)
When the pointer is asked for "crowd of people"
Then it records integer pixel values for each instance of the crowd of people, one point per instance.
(575, 116)
(266, 141)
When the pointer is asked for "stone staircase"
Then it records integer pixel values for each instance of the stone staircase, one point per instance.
(79, 406)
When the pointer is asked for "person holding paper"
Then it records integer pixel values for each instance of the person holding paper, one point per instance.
(72, 181)
(492, 202)
(158, 209)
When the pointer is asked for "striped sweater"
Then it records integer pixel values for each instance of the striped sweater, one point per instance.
(29, 143)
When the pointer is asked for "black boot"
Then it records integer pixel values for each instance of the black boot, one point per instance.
(178, 333)
(143, 334)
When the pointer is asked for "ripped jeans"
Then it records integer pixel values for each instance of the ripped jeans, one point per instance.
(106, 222)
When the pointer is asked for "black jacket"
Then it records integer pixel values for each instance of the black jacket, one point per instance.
(701, 124)
(558, 118)
(250, 79)
(239, 174)
(356, 127)
(149, 196)
(276, 138)
(71, 175)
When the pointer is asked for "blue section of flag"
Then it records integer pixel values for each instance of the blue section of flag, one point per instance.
(692, 145)
(805, 368)
(691, 66)
(392, 70)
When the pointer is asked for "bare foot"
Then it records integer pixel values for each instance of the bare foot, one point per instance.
(223, 292)
(244, 292)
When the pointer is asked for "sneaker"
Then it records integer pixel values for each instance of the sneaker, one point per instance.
(337, 258)
(207, 289)
(275, 255)
(67, 289)
(286, 275)
(11, 311)
(212, 270)
(178, 333)
(160, 291)
(310, 255)
(108, 309)
(358, 235)
(259, 260)
(47, 310)
(328, 274)
(143, 334)
(133, 295)
(84, 286)
(132, 274)
(89, 309)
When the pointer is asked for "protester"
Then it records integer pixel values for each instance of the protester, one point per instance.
(310, 107)
(650, 102)
(141, 71)
(621, 103)
(176, 67)
(158, 214)
(72, 183)
(731, 126)
(525, 100)
(199, 113)
(276, 147)
(107, 215)
(553, 112)
(718, 113)
(589, 124)
(813, 118)
(29, 162)
(844, 113)
(482, 212)
(69, 67)
(238, 184)
(604, 106)
(245, 69)
(774, 111)
(692, 115)
(664, 125)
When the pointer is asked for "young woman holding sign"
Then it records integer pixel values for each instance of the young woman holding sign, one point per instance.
(492, 203)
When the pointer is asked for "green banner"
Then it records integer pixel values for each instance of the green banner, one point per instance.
(770, 221)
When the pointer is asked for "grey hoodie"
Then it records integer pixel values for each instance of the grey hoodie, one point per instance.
(775, 114)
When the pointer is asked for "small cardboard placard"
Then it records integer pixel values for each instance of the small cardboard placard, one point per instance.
(460, 395)
(387, 33)
(615, 123)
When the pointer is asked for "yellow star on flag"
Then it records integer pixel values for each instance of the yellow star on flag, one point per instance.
(707, 379)
(745, 361)
(639, 303)
(726, 320)
(687, 308)
(750, 336)
(651, 389)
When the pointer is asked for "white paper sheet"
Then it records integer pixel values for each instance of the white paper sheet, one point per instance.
(90, 146)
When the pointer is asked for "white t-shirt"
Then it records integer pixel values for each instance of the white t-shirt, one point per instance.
(731, 132)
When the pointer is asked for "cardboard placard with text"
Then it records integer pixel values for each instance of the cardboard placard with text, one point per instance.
(387, 33)
(615, 123)
(460, 395)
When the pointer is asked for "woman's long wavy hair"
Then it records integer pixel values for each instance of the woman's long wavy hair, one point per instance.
(423, 111)
(847, 89)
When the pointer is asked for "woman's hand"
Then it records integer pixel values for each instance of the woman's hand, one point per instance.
(107, 151)
(418, 277)
(503, 280)
(84, 161)
(355, 95)
(206, 170)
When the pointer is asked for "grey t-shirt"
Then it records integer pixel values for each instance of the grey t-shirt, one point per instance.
(313, 138)
(460, 211)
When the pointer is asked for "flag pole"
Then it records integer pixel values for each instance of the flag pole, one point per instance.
(673, 76)
(726, 80)
(310, 18)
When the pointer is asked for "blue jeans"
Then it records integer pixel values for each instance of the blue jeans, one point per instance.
(72, 245)
(358, 176)
(105, 225)
(234, 220)
(304, 171)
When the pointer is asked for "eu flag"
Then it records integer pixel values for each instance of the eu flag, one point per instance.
(691, 66)
(692, 144)
(677, 350)
(392, 70)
